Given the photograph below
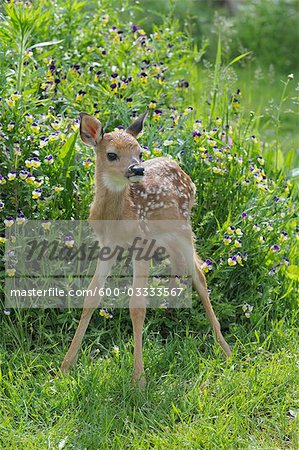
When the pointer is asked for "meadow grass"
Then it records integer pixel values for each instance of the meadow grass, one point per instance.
(194, 399)
(245, 221)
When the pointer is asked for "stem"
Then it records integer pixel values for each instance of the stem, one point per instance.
(20, 65)
(277, 122)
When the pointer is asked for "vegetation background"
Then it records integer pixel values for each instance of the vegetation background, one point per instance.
(222, 87)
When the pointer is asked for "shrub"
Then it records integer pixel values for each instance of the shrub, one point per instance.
(79, 57)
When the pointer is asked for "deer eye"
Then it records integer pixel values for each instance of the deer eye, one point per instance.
(112, 156)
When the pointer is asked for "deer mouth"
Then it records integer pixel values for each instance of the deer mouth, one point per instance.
(135, 178)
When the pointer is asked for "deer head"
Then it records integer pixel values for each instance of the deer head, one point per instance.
(118, 153)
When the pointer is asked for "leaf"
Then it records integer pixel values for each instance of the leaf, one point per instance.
(293, 272)
(46, 44)
(238, 58)
(67, 151)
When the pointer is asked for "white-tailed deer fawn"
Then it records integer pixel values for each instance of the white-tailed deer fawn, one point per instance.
(127, 189)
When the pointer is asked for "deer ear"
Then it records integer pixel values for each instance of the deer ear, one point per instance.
(136, 127)
(91, 130)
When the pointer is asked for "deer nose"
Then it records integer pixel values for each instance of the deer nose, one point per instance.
(135, 169)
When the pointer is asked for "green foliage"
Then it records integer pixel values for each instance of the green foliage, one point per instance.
(92, 59)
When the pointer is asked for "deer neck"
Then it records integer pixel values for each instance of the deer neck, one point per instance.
(109, 204)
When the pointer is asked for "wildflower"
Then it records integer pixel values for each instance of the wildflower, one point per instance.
(69, 242)
(239, 232)
(157, 151)
(115, 350)
(17, 150)
(8, 222)
(104, 313)
(262, 239)
(11, 103)
(28, 163)
(232, 260)
(48, 159)
(261, 160)
(286, 261)
(79, 96)
(87, 163)
(35, 127)
(35, 163)
(1, 205)
(207, 265)
(10, 272)
(15, 96)
(2, 240)
(53, 137)
(239, 258)
(152, 104)
(2, 180)
(283, 236)
(269, 226)
(230, 230)
(11, 175)
(236, 103)
(46, 224)
(105, 19)
(217, 170)
(10, 126)
(237, 243)
(157, 114)
(30, 178)
(291, 76)
(202, 149)
(168, 142)
(254, 139)
(272, 272)
(20, 219)
(218, 120)
(275, 248)
(37, 183)
(43, 142)
(6, 312)
(23, 174)
(247, 310)
(58, 189)
(240, 160)
(36, 194)
(227, 239)
(256, 227)
(196, 135)
(244, 215)
(143, 77)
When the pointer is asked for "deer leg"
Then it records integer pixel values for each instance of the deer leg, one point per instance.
(178, 265)
(137, 313)
(90, 304)
(200, 285)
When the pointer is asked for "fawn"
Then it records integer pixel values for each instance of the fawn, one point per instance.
(128, 189)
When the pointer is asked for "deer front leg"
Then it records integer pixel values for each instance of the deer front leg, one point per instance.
(90, 304)
(137, 313)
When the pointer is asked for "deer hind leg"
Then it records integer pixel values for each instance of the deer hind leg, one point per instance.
(137, 313)
(200, 285)
(90, 304)
(178, 265)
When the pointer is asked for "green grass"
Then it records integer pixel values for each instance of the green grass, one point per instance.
(193, 399)
(240, 164)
